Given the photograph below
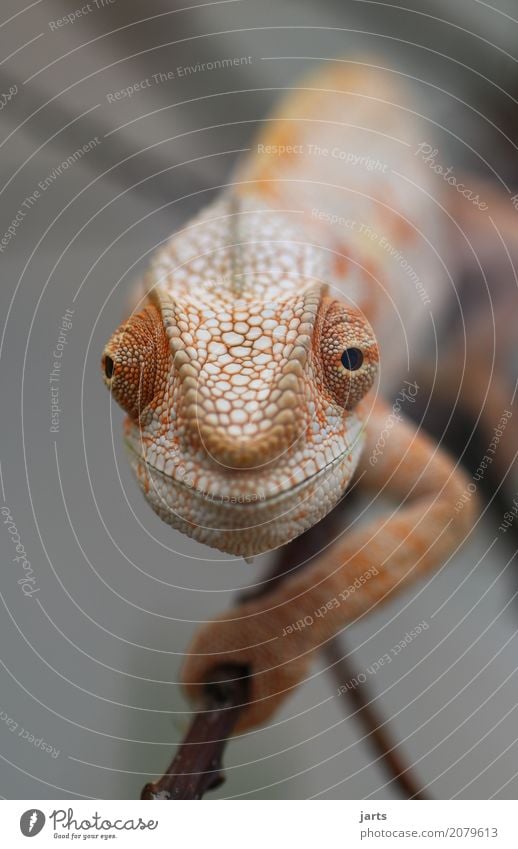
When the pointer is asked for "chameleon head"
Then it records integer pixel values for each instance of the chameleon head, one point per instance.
(241, 379)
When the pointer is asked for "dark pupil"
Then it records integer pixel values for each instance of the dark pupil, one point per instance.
(108, 367)
(352, 358)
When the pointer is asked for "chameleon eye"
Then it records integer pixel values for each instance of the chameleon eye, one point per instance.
(352, 359)
(349, 355)
(108, 367)
(134, 359)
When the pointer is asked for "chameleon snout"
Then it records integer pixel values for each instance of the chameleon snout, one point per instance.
(262, 428)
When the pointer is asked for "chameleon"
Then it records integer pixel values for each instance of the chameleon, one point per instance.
(254, 370)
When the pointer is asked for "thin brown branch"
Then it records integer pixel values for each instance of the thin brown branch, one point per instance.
(197, 765)
(303, 550)
(375, 727)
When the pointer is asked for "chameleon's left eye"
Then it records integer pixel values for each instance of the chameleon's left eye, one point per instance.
(352, 359)
(349, 355)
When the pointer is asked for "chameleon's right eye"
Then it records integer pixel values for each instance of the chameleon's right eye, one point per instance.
(134, 359)
(108, 367)
(349, 355)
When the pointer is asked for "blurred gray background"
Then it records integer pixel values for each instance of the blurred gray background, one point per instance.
(89, 664)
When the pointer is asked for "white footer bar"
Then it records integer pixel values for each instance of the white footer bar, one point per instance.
(260, 824)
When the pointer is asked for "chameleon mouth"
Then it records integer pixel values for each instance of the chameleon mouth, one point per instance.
(262, 491)
(218, 516)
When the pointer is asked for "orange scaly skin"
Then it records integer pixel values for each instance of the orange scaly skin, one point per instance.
(248, 377)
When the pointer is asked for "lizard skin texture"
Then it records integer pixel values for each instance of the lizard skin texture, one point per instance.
(250, 375)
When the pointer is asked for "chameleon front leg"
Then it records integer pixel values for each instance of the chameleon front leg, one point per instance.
(275, 636)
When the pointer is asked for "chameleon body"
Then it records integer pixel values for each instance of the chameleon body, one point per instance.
(252, 376)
